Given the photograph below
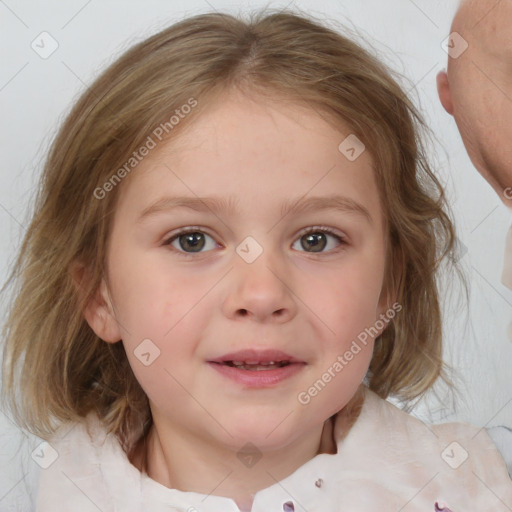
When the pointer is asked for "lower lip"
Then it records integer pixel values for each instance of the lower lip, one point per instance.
(258, 379)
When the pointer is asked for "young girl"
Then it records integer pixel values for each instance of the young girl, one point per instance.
(232, 263)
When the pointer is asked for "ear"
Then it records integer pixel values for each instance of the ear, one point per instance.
(98, 311)
(443, 90)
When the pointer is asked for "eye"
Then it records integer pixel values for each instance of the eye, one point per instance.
(191, 241)
(317, 239)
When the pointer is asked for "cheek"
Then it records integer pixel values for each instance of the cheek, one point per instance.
(152, 299)
(347, 309)
(476, 110)
(163, 381)
(162, 313)
(161, 346)
(340, 377)
(350, 296)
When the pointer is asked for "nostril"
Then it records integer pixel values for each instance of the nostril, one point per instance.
(243, 312)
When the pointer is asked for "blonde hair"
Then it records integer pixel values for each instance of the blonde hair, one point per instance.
(55, 367)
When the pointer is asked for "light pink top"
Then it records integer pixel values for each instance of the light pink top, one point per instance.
(388, 462)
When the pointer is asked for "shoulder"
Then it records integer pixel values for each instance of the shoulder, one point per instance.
(73, 463)
(90, 431)
(83, 441)
(38, 470)
(19, 473)
(455, 442)
(453, 462)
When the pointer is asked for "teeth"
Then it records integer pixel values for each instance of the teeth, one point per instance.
(256, 366)
(252, 363)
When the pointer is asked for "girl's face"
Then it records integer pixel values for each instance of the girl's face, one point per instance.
(251, 238)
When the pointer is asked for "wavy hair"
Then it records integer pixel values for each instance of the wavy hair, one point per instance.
(55, 368)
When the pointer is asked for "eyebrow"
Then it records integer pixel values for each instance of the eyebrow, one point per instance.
(229, 206)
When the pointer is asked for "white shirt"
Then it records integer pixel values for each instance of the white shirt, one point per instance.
(388, 461)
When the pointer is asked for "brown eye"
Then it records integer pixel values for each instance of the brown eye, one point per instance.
(191, 241)
(315, 242)
(319, 240)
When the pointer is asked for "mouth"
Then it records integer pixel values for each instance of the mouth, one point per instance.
(257, 368)
(256, 359)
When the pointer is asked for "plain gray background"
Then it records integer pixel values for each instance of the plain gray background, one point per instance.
(35, 94)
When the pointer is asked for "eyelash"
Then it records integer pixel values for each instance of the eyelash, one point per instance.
(314, 229)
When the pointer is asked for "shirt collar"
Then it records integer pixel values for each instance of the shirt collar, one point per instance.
(309, 487)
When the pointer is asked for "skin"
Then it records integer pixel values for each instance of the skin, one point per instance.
(308, 304)
(477, 89)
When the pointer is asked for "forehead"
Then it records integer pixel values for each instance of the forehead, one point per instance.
(486, 23)
(243, 112)
(248, 130)
(263, 152)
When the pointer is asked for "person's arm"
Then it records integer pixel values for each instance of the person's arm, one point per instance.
(502, 438)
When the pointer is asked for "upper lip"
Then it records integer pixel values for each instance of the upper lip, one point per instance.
(254, 356)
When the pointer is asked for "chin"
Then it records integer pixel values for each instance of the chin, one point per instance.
(259, 442)
(273, 432)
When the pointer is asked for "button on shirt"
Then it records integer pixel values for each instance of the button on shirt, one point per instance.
(388, 461)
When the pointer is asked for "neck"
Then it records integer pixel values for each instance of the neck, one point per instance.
(178, 459)
(220, 470)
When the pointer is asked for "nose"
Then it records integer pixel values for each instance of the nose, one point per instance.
(259, 291)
